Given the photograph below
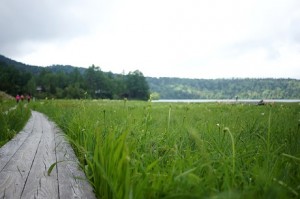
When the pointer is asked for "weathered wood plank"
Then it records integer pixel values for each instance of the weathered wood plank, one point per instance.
(39, 184)
(72, 180)
(25, 162)
(10, 148)
(14, 175)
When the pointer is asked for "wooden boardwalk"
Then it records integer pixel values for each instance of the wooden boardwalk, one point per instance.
(25, 160)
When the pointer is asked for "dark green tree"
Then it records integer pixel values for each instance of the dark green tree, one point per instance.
(137, 86)
(12, 80)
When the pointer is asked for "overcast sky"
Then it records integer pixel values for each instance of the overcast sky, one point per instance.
(170, 38)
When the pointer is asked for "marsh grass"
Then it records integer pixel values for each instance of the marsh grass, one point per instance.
(13, 118)
(155, 150)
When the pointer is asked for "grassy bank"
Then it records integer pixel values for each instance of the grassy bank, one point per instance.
(144, 150)
(13, 118)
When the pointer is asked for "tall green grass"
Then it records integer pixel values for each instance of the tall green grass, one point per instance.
(13, 118)
(158, 150)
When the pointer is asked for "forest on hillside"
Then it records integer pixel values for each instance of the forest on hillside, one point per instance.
(57, 82)
(69, 82)
(180, 88)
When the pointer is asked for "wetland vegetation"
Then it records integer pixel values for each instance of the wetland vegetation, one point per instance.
(13, 118)
(133, 149)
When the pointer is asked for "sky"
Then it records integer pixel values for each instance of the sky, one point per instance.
(161, 38)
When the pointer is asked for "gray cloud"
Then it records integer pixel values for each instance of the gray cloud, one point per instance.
(38, 20)
(166, 34)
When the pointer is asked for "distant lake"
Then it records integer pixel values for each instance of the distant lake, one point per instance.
(228, 100)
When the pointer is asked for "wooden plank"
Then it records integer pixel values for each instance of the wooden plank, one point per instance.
(25, 163)
(72, 180)
(39, 184)
(14, 175)
(10, 148)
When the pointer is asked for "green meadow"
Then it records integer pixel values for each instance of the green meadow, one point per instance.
(131, 149)
(13, 118)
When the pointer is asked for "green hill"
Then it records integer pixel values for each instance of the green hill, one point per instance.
(60, 81)
(182, 88)
(65, 81)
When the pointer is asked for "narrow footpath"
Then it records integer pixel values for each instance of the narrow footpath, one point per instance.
(26, 159)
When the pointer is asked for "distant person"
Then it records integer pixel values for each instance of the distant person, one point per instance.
(18, 98)
(22, 97)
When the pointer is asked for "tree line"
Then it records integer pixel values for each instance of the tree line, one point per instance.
(74, 83)
(70, 82)
(249, 88)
